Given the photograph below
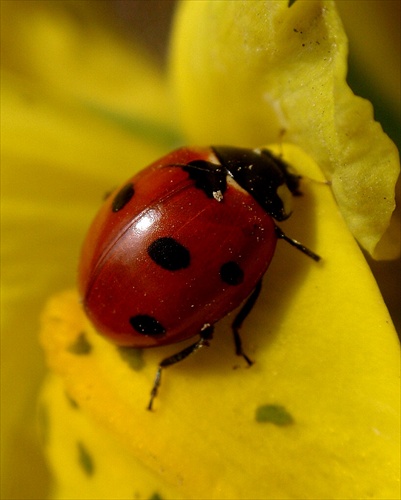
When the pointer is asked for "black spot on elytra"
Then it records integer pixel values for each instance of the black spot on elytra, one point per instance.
(122, 197)
(81, 346)
(169, 254)
(231, 273)
(85, 460)
(147, 325)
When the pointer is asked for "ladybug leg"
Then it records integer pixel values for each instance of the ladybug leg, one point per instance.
(205, 335)
(240, 318)
(297, 245)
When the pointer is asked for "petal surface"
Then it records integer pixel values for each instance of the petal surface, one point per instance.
(318, 414)
(247, 72)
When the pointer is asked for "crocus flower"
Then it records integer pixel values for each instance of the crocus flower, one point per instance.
(83, 109)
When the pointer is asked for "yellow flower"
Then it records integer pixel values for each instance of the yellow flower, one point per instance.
(83, 109)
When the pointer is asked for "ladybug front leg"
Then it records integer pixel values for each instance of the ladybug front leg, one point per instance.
(205, 335)
(297, 245)
(240, 318)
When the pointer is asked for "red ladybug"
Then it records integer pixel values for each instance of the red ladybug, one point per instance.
(183, 243)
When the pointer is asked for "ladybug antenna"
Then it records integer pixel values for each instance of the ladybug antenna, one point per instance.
(297, 245)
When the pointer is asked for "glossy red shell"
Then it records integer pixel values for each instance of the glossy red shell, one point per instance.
(118, 279)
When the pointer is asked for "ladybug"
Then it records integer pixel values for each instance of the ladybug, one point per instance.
(182, 243)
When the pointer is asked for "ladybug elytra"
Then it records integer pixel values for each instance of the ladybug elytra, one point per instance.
(183, 243)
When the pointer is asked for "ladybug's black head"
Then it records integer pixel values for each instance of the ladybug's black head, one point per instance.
(265, 176)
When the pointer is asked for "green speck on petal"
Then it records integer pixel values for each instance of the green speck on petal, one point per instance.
(291, 2)
(155, 496)
(85, 460)
(80, 346)
(71, 401)
(134, 357)
(274, 414)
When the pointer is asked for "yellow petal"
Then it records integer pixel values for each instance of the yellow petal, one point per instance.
(64, 144)
(57, 163)
(88, 462)
(375, 46)
(246, 72)
(69, 48)
(317, 416)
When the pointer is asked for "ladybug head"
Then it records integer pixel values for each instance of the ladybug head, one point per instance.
(265, 176)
